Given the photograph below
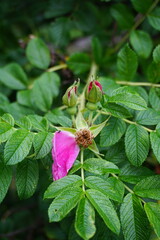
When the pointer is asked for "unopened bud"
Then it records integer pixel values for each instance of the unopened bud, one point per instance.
(70, 96)
(94, 92)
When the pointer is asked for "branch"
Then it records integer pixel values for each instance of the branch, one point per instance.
(147, 84)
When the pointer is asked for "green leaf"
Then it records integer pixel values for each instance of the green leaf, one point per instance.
(136, 144)
(60, 31)
(116, 153)
(97, 50)
(64, 203)
(6, 130)
(24, 97)
(56, 187)
(24, 122)
(45, 88)
(133, 219)
(79, 63)
(156, 54)
(117, 110)
(56, 9)
(108, 85)
(130, 100)
(154, 99)
(141, 6)
(18, 146)
(76, 166)
(8, 119)
(8, 79)
(127, 63)
(110, 187)
(42, 144)
(153, 72)
(38, 53)
(26, 178)
(93, 147)
(17, 72)
(85, 219)
(5, 180)
(154, 18)
(155, 143)
(96, 129)
(153, 213)
(112, 132)
(105, 209)
(38, 122)
(148, 117)
(80, 121)
(132, 174)
(122, 15)
(149, 187)
(141, 43)
(57, 119)
(99, 166)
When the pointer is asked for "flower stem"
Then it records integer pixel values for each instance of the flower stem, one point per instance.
(147, 84)
(92, 73)
(57, 67)
(90, 118)
(82, 170)
(73, 120)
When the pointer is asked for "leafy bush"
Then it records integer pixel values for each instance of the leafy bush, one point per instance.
(113, 189)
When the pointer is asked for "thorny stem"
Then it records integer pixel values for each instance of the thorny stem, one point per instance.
(92, 73)
(138, 84)
(57, 67)
(137, 23)
(82, 170)
(126, 187)
(128, 121)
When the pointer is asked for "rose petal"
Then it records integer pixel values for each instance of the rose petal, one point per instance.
(64, 153)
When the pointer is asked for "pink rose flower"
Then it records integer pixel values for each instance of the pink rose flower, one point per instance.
(64, 153)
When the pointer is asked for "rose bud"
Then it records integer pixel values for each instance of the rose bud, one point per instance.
(93, 94)
(70, 96)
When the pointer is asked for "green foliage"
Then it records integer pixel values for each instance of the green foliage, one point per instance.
(85, 219)
(148, 187)
(133, 218)
(153, 213)
(105, 209)
(64, 203)
(127, 63)
(115, 43)
(112, 132)
(100, 166)
(26, 178)
(18, 146)
(38, 54)
(79, 63)
(142, 43)
(136, 144)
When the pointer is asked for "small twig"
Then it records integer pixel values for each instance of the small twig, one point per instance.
(147, 84)
(56, 68)
(128, 121)
(82, 170)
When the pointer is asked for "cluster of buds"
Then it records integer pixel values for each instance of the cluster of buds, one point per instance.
(93, 95)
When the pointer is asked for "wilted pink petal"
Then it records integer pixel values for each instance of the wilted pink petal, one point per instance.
(64, 153)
